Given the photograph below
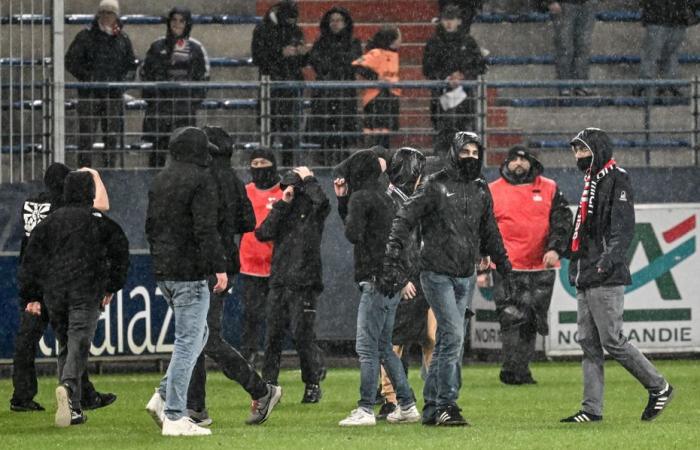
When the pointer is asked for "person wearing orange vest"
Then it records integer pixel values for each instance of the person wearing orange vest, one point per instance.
(535, 221)
(381, 106)
(255, 256)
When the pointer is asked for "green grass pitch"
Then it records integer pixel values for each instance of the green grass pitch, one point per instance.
(502, 417)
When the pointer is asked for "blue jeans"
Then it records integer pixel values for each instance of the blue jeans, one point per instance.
(190, 303)
(660, 52)
(375, 324)
(449, 297)
(573, 31)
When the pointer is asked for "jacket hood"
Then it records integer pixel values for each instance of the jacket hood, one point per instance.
(383, 38)
(220, 139)
(598, 142)
(187, 14)
(346, 33)
(79, 189)
(461, 139)
(190, 145)
(360, 169)
(290, 178)
(280, 12)
(264, 153)
(54, 177)
(407, 164)
(536, 167)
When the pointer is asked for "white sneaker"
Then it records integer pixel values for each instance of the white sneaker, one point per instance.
(183, 427)
(400, 415)
(358, 417)
(156, 408)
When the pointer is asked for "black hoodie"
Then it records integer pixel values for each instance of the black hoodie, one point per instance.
(608, 231)
(367, 212)
(456, 219)
(181, 222)
(77, 252)
(332, 54)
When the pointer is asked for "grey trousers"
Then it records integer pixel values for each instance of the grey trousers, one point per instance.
(600, 327)
(660, 52)
(573, 30)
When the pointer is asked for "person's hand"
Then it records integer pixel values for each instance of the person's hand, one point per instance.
(554, 8)
(408, 292)
(303, 172)
(484, 263)
(482, 280)
(289, 50)
(340, 187)
(550, 259)
(33, 308)
(221, 282)
(303, 49)
(107, 299)
(88, 169)
(288, 194)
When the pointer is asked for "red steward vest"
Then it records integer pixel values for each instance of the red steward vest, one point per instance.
(522, 212)
(256, 256)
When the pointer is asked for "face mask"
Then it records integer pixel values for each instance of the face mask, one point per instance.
(470, 168)
(584, 164)
(264, 177)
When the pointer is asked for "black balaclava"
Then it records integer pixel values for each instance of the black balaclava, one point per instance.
(536, 167)
(79, 189)
(54, 177)
(600, 145)
(406, 166)
(584, 164)
(469, 168)
(286, 9)
(264, 177)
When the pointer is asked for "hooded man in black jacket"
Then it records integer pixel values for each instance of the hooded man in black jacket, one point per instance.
(67, 254)
(599, 269)
(101, 53)
(234, 217)
(367, 211)
(454, 209)
(174, 57)
(295, 226)
(32, 327)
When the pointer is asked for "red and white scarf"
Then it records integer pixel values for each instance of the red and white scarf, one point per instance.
(587, 203)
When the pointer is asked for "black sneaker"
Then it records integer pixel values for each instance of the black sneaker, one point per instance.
(582, 417)
(77, 417)
(30, 405)
(312, 394)
(99, 400)
(507, 377)
(386, 409)
(450, 416)
(658, 401)
(527, 379)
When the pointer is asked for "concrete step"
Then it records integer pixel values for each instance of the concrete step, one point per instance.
(161, 7)
(362, 11)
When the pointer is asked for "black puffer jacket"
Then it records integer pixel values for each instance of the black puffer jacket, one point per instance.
(669, 13)
(181, 222)
(235, 212)
(296, 229)
(76, 250)
(367, 212)
(456, 220)
(97, 56)
(607, 233)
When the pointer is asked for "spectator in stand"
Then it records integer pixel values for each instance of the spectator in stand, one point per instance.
(665, 22)
(75, 261)
(535, 221)
(279, 51)
(295, 226)
(32, 327)
(256, 257)
(453, 55)
(468, 9)
(234, 216)
(334, 111)
(381, 105)
(573, 30)
(175, 57)
(101, 53)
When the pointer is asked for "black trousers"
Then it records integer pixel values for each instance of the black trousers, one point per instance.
(254, 297)
(31, 329)
(296, 309)
(231, 362)
(532, 296)
(74, 320)
(105, 110)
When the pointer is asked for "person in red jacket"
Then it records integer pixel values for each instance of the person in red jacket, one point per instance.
(256, 256)
(535, 221)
